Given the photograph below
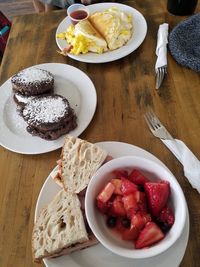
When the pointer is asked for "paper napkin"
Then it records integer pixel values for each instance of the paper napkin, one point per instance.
(191, 164)
(161, 48)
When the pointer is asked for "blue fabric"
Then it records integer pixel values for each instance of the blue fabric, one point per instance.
(184, 42)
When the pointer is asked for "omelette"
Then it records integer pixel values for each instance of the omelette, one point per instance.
(114, 25)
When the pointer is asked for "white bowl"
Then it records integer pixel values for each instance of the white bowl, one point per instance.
(96, 220)
(77, 8)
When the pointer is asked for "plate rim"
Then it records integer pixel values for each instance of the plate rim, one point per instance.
(86, 57)
(147, 154)
(51, 145)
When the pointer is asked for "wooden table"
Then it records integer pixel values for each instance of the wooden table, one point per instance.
(125, 89)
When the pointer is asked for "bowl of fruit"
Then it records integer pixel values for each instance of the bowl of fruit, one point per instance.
(135, 207)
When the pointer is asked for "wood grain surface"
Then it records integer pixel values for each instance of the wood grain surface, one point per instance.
(125, 89)
(12, 8)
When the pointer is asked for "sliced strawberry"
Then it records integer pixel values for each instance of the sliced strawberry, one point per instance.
(106, 193)
(150, 235)
(128, 187)
(146, 216)
(157, 195)
(120, 173)
(117, 184)
(137, 177)
(142, 204)
(141, 200)
(166, 216)
(136, 195)
(119, 225)
(140, 219)
(137, 221)
(130, 234)
(102, 206)
(117, 207)
(130, 205)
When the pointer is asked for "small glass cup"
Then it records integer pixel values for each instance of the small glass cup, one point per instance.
(181, 7)
(77, 12)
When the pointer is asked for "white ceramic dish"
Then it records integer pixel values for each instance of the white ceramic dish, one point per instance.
(139, 33)
(74, 8)
(98, 255)
(70, 82)
(153, 171)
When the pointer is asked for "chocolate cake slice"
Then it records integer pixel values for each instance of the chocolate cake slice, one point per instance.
(32, 81)
(49, 116)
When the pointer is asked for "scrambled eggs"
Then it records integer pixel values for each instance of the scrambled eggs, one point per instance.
(80, 43)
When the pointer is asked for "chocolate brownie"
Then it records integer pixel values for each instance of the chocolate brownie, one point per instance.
(49, 116)
(53, 134)
(32, 81)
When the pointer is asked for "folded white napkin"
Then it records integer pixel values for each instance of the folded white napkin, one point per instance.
(161, 49)
(191, 164)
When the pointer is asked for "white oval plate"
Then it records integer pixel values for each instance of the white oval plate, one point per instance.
(99, 256)
(139, 33)
(70, 82)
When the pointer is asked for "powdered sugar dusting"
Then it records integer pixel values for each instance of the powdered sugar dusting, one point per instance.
(32, 75)
(45, 109)
(23, 99)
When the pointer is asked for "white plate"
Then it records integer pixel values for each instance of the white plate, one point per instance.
(139, 33)
(97, 255)
(70, 82)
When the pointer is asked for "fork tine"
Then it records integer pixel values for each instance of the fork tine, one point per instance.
(148, 122)
(155, 126)
(160, 75)
(158, 79)
(154, 118)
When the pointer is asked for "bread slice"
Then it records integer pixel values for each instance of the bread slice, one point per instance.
(80, 160)
(59, 226)
(77, 247)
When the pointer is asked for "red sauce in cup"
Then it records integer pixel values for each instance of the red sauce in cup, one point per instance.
(79, 14)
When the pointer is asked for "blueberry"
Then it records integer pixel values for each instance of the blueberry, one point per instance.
(141, 188)
(164, 226)
(126, 222)
(111, 221)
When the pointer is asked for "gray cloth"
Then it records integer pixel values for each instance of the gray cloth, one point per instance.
(60, 3)
(184, 43)
(67, 3)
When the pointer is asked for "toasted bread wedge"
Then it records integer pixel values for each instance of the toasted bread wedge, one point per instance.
(79, 161)
(60, 226)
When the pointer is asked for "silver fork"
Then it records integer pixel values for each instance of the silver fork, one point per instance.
(160, 75)
(156, 127)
